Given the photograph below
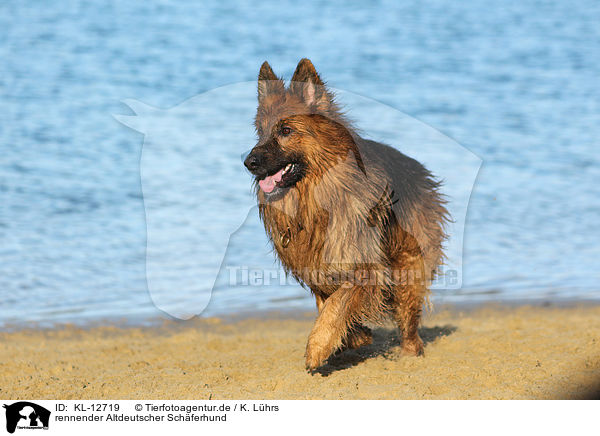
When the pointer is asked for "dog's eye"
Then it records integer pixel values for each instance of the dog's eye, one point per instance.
(259, 131)
(285, 130)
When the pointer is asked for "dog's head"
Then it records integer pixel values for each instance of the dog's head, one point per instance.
(306, 94)
(301, 131)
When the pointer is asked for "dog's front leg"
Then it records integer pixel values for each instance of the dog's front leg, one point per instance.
(357, 336)
(336, 314)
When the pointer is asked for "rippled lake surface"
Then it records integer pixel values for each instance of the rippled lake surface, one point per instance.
(516, 84)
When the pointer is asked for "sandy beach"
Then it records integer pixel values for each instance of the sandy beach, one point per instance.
(498, 352)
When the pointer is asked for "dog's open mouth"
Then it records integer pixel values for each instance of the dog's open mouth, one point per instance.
(286, 177)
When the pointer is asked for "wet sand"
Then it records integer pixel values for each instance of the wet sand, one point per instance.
(482, 353)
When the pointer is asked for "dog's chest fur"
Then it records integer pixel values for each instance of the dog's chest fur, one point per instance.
(324, 232)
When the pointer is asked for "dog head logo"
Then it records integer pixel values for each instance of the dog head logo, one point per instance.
(26, 415)
(199, 202)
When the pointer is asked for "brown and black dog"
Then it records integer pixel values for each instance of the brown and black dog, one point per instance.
(356, 221)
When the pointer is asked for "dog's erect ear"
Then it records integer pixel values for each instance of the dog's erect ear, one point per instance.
(306, 72)
(268, 82)
(307, 84)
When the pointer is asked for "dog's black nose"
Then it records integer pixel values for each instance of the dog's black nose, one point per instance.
(252, 162)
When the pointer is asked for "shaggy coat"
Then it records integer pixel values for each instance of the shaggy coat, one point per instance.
(357, 222)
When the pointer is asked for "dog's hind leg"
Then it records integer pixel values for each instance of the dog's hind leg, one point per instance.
(407, 314)
(333, 325)
(320, 302)
(409, 296)
(358, 335)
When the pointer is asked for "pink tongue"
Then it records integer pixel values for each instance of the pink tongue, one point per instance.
(268, 183)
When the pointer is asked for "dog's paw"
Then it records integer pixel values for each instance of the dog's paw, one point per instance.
(315, 358)
(413, 347)
(316, 355)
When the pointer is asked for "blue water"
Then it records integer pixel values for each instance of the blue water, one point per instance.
(514, 83)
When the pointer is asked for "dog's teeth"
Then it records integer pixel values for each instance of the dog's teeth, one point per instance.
(287, 168)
